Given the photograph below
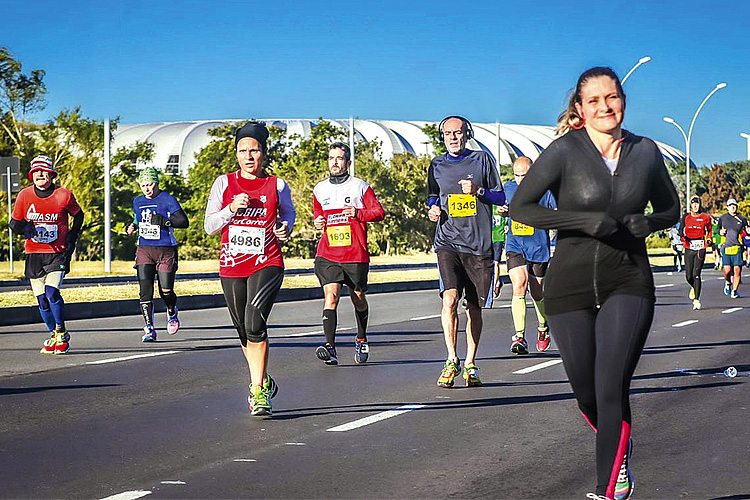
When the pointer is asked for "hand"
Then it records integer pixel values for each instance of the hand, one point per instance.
(282, 232)
(723, 231)
(29, 231)
(637, 224)
(241, 200)
(467, 187)
(434, 213)
(350, 211)
(606, 226)
(159, 220)
(130, 229)
(503, 209)
(319, 222)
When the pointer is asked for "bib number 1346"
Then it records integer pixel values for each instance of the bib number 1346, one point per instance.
(462, 205)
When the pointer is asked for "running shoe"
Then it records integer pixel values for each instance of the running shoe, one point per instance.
(691, 294)
(727, 288)
(173, 322)
(261, 401)
(49, 345)
(451, 369)
(696, 304)
(735, 294)
(625, 483)
(327, 353)
(149, 334)
(519, 345)
(269, 385)
(471, 375)
(62, 342)
(361, 351)
(542, 339)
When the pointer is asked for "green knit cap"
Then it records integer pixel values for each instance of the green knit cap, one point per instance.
(148, 175)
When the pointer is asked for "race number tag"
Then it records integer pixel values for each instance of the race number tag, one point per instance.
(149, 231)
(519, 229)
(732, 250)
(462, 205)
(45, 233)
(697, 244)
(247, 240)
(339, 236)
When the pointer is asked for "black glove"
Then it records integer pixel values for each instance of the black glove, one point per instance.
(29, 231)
(606, 226)
(158, 220)
(637, 224)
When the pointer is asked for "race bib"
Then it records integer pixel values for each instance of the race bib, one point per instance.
(519, 229)
(149, 231)
(339, 236)
(45, 233)
(733, 250)
(247, 240)
(697, 244)
(462, 205)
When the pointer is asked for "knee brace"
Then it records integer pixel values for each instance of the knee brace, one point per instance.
(146, 282)
(52, 294)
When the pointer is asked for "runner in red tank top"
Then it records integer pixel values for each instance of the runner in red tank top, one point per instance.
(255, 214)
(695, 229)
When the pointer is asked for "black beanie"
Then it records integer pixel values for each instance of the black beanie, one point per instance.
(256, 130)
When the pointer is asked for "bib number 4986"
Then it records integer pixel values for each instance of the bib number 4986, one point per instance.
(247, 240)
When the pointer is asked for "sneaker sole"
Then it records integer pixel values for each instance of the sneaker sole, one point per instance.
(261, 412)
(323, 355)
(473, 383)
(519, 350)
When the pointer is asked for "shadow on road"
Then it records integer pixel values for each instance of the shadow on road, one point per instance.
(7, 391)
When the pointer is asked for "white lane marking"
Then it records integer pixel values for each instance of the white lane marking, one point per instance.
(245, 460)
(128, 358)
(296, 444)
(664, 286)
(173, 482)
(129, 495)
(419, 318)
(551, 362)
(504, 306)
(375, 418)
(308, 334)
(685, 323)
(730, 311)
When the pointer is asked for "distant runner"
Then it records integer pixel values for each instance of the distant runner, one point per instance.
(156, 213)
(696, 233)
(342, 207)
(41, 214)
(499, 230)
(731, 225)
(675, 240)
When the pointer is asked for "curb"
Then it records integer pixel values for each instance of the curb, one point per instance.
(23, 315)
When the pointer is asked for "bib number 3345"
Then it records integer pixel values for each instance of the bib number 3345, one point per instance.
(462, 205)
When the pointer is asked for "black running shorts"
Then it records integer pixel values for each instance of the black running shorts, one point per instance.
(467, 273)
(538, 269)
(353, 275)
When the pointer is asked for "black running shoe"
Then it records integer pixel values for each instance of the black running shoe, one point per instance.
(327, 353)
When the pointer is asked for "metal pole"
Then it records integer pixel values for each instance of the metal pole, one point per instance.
(641, 61)
(10, 232)
(351, 144)
(107, 204)
(746, 136)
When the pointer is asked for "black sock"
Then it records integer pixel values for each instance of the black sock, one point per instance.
(330, 320)
(362, 317)
(170, 299)
(147, 309)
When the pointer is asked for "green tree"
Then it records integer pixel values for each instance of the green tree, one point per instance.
(433, 133)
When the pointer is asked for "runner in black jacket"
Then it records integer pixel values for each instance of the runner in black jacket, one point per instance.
(599, 290)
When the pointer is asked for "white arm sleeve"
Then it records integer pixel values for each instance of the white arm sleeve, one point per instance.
(286, 206)
(217, 216)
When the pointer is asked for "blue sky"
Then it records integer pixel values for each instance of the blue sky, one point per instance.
(512, 62)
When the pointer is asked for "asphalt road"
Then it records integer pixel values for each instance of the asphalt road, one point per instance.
(170, 420)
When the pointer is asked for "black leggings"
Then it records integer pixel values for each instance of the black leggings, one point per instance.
(250, 301)
(600, 350)
(694, 260)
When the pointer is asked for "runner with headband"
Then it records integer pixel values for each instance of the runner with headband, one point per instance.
(696, 233)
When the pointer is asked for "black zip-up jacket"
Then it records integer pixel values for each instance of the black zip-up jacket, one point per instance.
(601, 246)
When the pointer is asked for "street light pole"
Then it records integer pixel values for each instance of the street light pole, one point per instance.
(641, 61)
(747, 136)
(689, 136)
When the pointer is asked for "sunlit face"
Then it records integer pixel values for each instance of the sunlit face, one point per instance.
(150, 189)
(454, 136)
(695, 206)
(601, 105)
(249, 157)
(337, 162)
(732, 209)
(520, 169)
(41, 179)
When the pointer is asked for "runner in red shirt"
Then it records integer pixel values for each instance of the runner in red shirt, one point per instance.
(695, 229)
(41, 215)
(342, 207)
(255, 214)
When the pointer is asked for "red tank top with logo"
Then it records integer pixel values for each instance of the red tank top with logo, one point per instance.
(248, 243)
(50, 218)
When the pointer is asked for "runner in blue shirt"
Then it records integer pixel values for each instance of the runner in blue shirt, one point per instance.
(156, 214)
(527, 252)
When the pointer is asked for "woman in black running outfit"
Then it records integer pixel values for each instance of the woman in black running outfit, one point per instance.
(599, 289)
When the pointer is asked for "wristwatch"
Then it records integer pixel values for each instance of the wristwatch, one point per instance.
(480, 191)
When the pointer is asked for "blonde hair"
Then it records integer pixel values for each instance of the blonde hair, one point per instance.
(569, 118)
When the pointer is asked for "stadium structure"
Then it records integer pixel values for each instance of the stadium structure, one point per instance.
(177, 143)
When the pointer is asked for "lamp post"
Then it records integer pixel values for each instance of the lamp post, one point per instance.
(689, 136)
(641, 61)
(746, 136)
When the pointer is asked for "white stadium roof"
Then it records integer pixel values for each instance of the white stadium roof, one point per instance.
(177, 143)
